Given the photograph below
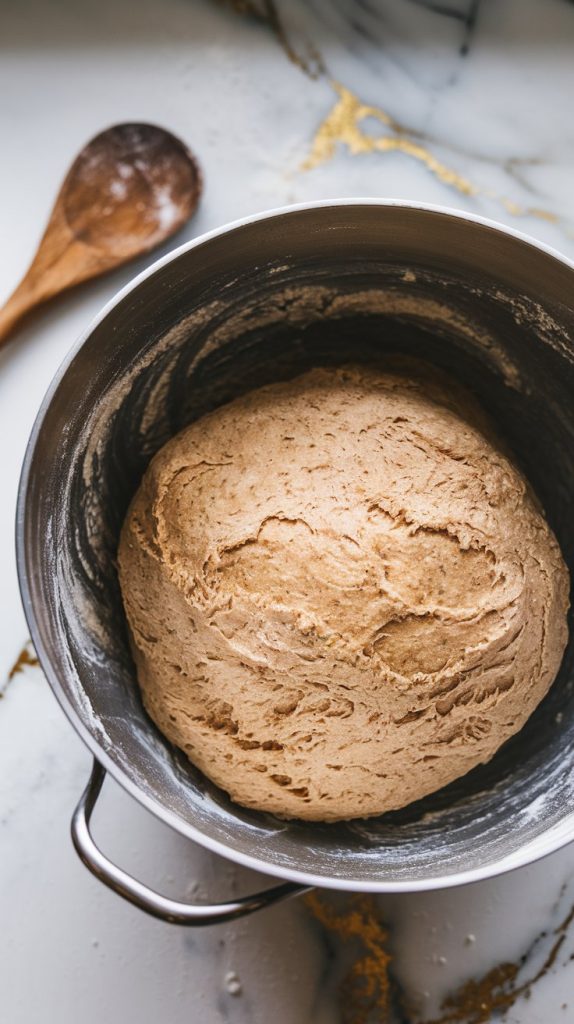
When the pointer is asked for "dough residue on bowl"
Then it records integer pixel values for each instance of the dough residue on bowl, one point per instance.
(341, 593)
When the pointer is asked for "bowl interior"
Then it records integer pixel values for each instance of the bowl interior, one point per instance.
(310, 287)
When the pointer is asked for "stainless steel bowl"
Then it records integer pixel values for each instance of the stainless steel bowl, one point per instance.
(254, 302)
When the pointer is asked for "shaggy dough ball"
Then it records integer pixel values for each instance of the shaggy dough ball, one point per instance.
(341, 594)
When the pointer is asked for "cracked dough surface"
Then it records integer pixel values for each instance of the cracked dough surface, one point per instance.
(341, 594)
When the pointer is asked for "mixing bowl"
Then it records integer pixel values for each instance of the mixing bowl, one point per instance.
(242, 306)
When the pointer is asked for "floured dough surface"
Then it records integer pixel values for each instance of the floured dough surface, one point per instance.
(341, 594)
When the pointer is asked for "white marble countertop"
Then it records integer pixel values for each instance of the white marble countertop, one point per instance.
(463, 102)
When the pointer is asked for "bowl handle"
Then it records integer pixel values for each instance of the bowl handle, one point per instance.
(145, 898)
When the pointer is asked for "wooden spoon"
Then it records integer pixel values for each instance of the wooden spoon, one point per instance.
(129, 189)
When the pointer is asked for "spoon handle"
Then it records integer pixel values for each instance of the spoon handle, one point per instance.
(20, 302)
(46, 276)
(60, 262)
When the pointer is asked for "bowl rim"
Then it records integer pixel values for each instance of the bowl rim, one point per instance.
(546, 843)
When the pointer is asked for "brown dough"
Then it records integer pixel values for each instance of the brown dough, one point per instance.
(341, 593)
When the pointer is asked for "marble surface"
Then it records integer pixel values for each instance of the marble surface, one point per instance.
(463, 102)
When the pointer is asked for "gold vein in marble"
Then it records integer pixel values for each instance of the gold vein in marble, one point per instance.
(366, 991)
(343, 126)
(26, 657)
(369, 992)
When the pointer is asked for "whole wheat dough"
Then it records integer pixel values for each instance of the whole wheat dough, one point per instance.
(341, 594)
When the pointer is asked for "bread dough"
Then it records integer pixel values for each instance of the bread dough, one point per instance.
(341, 593)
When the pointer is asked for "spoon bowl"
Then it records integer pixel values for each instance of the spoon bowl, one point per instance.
(129, 189)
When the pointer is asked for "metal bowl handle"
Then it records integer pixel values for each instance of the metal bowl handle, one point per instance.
(145, 898)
